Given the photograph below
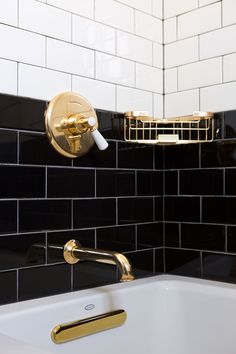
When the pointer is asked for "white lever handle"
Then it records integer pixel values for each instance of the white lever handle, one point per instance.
(102, 144)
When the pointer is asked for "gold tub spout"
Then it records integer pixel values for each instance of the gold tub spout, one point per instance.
(74, 252)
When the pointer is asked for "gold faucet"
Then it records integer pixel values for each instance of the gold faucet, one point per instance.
(74, 252)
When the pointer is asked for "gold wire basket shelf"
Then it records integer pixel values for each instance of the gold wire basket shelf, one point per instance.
(140, 128)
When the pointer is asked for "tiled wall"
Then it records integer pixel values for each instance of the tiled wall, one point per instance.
(111, 200)
(110, 51)
(199, 56)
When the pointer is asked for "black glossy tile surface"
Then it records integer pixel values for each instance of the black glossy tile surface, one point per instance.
(70, 183)
(219, 267)
(115, 183)
(142, 263)
(35, 215)
(8, 146)
(230, 178)
(219, 154)
(22, 182)
(94, 212)
(34, 149)
(111, 124)
(135, 210)
(120, 238)
(231, 239)
(158, 208)
(97, 158)
(183, 262)
(8, 217)
(202, 236)
(171, 182)
(8, 288)
(230, 124)
(219, 210)
(201, 182)
(182, 209)
(17, 251)
(135, 156)
(150, 235)
(172, 234)
(149, 183)
(159, 260)
(159, 157)
(182, 156)
(44, 281)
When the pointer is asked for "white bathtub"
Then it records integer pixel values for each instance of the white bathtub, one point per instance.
(166, 315)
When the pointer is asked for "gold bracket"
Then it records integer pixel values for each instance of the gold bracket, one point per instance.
(67, 121)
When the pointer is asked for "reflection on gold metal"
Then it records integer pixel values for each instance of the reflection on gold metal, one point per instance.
(75, 330)
(71, 125)
(139, 127)
(73, 253)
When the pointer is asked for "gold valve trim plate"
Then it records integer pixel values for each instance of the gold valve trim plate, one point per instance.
(74, 330)
(66, 121)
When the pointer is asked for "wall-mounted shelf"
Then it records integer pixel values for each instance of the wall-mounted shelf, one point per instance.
(140, 128)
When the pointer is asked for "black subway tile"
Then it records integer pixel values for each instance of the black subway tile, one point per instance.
(158, 208)
(8, 217)
(201, 182)
(8, 291)
(22, 113)
(182, 209)
(35, 149)
(219, 267)
(150, 235)
(159, 260)
(111, 124)
(230, 178)
(159, 157)
(97, 158)
(219, 154)
(36, 215)
(231, 239)
(8, 146)
(150, 183)
(202, 236)
(22, 182)
(94, 212)
(135, 156)
(44, 281)
(171, 182)
(115, 183)
(182, 156)
(230, 124)
(19, 251)
(220, 210)
(142, 263)
(183, 262)
(120, 238)
(70, 183)
(57, 240)
(135, 210)
(171, 235)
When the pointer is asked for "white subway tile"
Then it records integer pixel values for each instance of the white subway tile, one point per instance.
(149, 78)
(177, 7)
(93, 35)
(8, 12)
(218, 98)
(218, 42)
(158, 55)
(70, 58)
(229, 12)
(84, 8)
(170, 33)
(158, 8)
(181, 52)
(115, 14)
(206, 2)
(148, 26)
(99, 94)
(41, 18)
(203, 73)
(143, 5)
(22, 46)
(181, 103)
(8, 74)
(135, 48)
(229, 67)
(158, 105)
(42, 83)
(199, 21)
(171, 76)
(129, 99)
(114, 69)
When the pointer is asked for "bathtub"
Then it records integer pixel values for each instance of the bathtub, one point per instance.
(165, 315)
